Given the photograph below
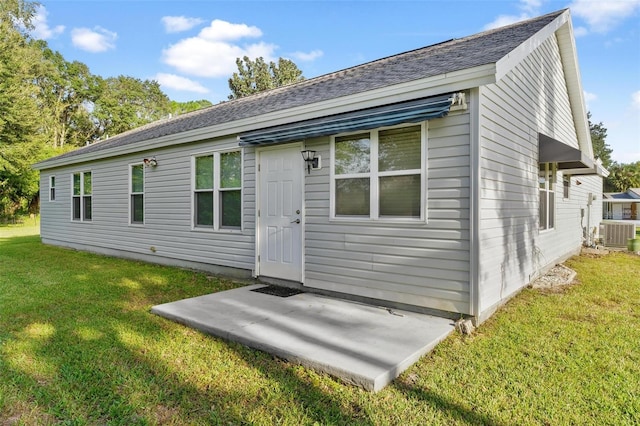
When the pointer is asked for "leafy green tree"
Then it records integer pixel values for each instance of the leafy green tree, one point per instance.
(601, 149)
(178, 108)
(622, 177)
(21, 141)
(257, 76)
(67, 92)
(125, 103)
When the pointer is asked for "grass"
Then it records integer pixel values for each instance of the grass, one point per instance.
(79, 346)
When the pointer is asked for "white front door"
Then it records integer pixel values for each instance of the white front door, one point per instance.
(280, 175)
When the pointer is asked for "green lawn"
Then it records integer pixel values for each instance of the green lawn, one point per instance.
(79, 346)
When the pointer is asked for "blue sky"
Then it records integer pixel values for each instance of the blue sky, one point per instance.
(190, 46)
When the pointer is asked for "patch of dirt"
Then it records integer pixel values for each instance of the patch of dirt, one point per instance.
(557, 277)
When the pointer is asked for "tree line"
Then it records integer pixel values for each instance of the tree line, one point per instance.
(49, 105)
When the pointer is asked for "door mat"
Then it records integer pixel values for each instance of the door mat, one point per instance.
(275, 290)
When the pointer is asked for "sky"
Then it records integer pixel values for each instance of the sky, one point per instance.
(190, 46)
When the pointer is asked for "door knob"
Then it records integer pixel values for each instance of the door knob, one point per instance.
(295, 221)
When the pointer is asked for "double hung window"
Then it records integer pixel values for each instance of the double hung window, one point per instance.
(546, 182)
(81, 200)
(52, 188)
(379, 174)
(217, 200)
(137, 194)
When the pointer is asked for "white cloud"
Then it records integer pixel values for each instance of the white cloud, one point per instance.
(176, 24)
(41, 29)
(97, 40)
(211, 54)
(530, 8)
(176, 82)
(503, 20)
(580, 31)
(308, 56)
(222, 30)
(589, 97)
(603, 16)
(635, 99)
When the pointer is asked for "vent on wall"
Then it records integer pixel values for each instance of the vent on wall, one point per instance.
(617, 234)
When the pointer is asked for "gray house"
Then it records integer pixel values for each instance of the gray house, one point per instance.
(441, 179)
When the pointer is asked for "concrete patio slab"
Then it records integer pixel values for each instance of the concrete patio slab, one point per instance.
(361, 344)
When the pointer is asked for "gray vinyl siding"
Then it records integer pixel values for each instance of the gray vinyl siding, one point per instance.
(424, 264)
(531, 98)
(167, 211)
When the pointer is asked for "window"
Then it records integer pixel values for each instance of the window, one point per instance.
(218, 190)
(547, 206)
(566, 184)
(379, 174)
(52, 188)
(81, 199)
(137, 194)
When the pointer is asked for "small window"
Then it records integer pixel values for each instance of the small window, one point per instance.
(218, 190)
(566, 185)
(547, 207)
(81, 199)
(52, 188)
(379, 174)
(137, 194)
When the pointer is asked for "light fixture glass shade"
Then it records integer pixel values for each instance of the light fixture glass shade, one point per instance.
(308, 155)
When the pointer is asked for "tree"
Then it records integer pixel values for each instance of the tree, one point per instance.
(601, 149)
(622, 177)
(178, 108)
(256, 76)
(125, 103)
(67, 92)
(21, 142)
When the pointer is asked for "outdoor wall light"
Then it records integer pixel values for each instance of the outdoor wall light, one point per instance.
(310, 158)
(150, 162)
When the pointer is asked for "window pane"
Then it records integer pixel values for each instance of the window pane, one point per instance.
(352, 154)
(53, 182)
(87, 208)
(137, 178)
(86, 189)
(400, 196)
(137, 208)
(230, 209)
(352, 197)
(204, 208)
(52, 194)
(76, 184)
(399, 149)
(552, 206)
(230, 170)
(76, 208)
(204, 172)
(543, 210)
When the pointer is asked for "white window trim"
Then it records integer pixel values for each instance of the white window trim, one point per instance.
(52, 186)
(82, 219)
(131, 193)
(374, 215)
(550, 171)
(568, 187)
(216, 191)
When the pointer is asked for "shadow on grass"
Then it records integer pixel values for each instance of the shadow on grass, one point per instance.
(78, 345)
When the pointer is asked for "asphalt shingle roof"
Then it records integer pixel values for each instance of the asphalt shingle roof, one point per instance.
(480, 49)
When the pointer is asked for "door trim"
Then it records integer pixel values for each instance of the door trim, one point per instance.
(299, 146)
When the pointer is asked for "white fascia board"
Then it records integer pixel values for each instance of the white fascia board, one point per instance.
(517, 55)
(569, 57)
(431, 86)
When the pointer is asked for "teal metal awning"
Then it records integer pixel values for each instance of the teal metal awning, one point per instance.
(366, 119)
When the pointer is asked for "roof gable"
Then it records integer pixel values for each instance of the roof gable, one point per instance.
(488, 47)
